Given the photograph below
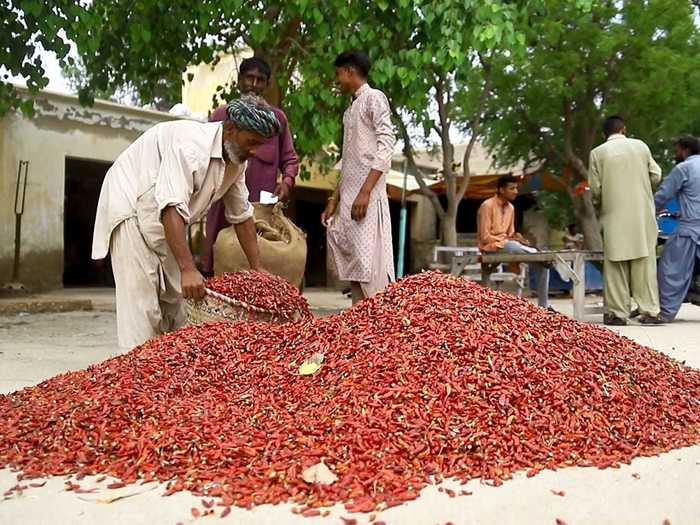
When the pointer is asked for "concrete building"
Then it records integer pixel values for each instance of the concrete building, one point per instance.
(69, 149)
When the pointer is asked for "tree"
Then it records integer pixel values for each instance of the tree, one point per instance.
(26, 26)
(146, 46)
(432, 59)
(638, 59)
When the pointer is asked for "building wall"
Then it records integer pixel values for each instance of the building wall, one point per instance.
(61, 128)
(197, 93)
(424, 223)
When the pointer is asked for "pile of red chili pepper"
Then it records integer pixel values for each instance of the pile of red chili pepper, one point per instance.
(262, 290)
(436, 377)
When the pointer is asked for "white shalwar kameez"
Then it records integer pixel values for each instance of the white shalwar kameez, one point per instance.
(178, 164)
(363, 250)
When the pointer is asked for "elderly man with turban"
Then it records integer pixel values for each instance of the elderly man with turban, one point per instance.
(164, 181)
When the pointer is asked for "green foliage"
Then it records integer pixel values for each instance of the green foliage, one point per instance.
(24, 26)
(557, 208)
(638, 59)
(414, 44)
(555, 67)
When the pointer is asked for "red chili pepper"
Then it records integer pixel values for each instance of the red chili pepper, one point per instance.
(261, 290)
(220, 409)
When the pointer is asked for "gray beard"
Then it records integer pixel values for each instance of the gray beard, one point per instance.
(235, 152)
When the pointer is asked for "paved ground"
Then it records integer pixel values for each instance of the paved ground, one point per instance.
(34, 347)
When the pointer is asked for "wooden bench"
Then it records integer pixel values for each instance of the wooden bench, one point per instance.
(465, 262)
(573, 260)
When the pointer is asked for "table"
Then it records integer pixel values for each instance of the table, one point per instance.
(575, 261)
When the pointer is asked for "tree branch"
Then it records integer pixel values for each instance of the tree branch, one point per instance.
(551, 151)
(444, 131)
(413, 167)
(475, 128)
(571, 157)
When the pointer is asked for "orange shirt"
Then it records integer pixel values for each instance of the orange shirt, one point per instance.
(495, 224)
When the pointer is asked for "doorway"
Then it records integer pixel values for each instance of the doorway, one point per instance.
(82, 191)
(305, 210)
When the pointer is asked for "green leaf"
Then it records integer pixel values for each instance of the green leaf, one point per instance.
(32, 7)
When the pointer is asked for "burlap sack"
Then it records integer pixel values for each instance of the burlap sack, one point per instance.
(282, 246)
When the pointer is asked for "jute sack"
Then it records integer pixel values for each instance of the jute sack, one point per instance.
(282, 246)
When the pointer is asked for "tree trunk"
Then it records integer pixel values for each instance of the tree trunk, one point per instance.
(273, 93)
(448, 228)
(590, 227)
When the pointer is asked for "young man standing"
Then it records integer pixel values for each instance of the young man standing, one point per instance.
(357, 216)
(621, 172)
(682, 250)
(275, 156)
(496, 231)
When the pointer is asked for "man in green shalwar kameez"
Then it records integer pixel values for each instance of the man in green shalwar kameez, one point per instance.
(621, 174)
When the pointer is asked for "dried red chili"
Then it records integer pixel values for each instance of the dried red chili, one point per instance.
(435, 378)
(261, 290)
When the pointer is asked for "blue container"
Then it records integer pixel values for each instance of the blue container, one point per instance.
(668, 225)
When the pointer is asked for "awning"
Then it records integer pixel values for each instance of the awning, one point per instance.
(480, 186)
(395, 181)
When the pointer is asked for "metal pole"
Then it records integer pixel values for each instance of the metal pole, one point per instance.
(19, 210)
(402, 225)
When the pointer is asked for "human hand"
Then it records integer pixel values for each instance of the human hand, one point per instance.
(283, 191)
(522, 240)
(359, 207)
(192, 284)
(328, 212)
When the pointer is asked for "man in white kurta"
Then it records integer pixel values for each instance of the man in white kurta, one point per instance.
(357, 217)
(165, 180)
(621, 172)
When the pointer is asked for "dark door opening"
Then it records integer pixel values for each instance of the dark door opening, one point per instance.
(305, 210)
(82, 191)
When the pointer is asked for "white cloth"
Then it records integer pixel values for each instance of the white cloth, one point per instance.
(178, 163)
(363, 250)
(149, 300)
